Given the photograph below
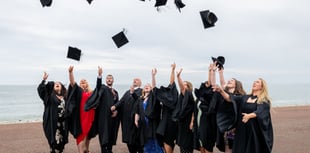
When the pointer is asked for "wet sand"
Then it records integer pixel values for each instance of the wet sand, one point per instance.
(291, 135)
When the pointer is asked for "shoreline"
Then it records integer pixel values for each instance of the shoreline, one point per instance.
(291, 126)
(38, 120)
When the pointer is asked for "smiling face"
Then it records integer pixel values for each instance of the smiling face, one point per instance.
(231, 83)
(84, 84)
(57, 87)
(147, 88)
(257, 85)
(136, 82)
(109, 80)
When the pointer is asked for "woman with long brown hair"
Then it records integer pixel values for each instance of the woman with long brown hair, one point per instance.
(254, 132)
(226, 134)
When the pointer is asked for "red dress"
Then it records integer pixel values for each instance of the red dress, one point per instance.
(86, 118)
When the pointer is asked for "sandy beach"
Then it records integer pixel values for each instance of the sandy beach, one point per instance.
(291, 135)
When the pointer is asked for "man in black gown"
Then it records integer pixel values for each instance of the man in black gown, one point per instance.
(125, 108)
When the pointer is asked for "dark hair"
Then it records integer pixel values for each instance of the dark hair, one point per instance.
(238, 88)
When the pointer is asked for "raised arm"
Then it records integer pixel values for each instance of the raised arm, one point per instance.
(212, 69)
(172, 75)
(180, 81)
(154, 72)
(222, 80)
(225, 95)
(71, 76)
(99, 78)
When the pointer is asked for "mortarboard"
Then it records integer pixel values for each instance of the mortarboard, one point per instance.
(46, 2)
(160, 3)
(208, 18)
(89, 1)
(179, 4)
(220, 61)
(120, 39)
(74, 53)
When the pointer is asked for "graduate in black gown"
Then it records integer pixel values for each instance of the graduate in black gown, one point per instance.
(102, 99)
(205, 127)
(115, 116)
(125, 108)
(79, 121)
(227, 113)
(254, 131)
(147, 116)
(53, 95)
(168, 96)
(184, 115)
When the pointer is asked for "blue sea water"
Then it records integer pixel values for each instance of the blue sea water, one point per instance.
(21, 103)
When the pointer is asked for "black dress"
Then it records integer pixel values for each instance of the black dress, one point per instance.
(255, 136)
(54, 123)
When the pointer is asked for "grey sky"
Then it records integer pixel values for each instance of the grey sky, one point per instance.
(258, 38)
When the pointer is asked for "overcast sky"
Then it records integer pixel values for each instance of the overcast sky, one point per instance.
(258, 38)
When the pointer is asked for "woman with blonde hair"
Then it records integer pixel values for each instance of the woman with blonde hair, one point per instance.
(79, 120)
(254, 132)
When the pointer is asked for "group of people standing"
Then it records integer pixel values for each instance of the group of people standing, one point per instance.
(155, 119)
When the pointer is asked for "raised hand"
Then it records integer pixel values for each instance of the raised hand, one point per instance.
(45, 76)
(70, 69)
(132, 89)
(154, 72)
(173, 65)
(100, 71)
(217, 88)
(179, 72)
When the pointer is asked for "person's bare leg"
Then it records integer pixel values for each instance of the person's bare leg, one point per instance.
(167, 148)
(206, 151)
(202, 150)
(82, 147)
(87, 142)
(227, 149)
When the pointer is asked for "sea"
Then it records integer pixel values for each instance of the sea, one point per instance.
(21, 103)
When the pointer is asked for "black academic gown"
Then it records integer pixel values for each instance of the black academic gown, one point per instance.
(255, 136)
(125, 108)
(101, 100)
(206, 131)
(73, 110)
(167, 128)
(149, 117)
(226, 118)
(50, 115)
(183, 115)
(115, 121)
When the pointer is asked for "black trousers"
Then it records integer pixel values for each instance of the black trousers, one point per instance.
(135, 148)
(106, 148)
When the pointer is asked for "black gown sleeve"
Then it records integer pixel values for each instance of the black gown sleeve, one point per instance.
(94, 100)
(187, 105)
(167, 95)
(44, 90)
(264, 120)
(153, 107)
